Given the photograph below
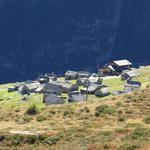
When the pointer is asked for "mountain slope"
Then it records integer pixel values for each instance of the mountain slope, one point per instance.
(113, 122)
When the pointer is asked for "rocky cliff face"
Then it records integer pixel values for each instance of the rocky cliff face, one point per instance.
(39, 36)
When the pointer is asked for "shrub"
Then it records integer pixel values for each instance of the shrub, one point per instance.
(114, 98)
(147, 119)
(32, 110)
(106, 146)
(128, 96)
(87, 110)
(1, 99)
(118, 104)
(17, 110)
(68, 113)
(52, 112)
(23, 120)
(128, 147)
(32, 139)
(129, 111)
(121, 119)
(120, 111)
(139, 133)
(16, 139)
(52, 140)
(104, 109)
(81, 110)
(2, 138)
(133, 125)
(121, 130)
(106, 133)
(40, 118)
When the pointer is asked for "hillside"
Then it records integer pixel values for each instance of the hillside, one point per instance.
(56, 35)
(114, 122)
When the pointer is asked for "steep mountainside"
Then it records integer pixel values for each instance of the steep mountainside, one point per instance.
(54, 35)
(99, 123)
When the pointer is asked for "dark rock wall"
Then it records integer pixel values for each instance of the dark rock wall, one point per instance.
(38, 36)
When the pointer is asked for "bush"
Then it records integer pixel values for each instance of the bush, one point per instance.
(139, 134)
(121, 119)
(147, 120)
(23, 120)
(106, 146)
(104, 109)
(120, 111)
(52, 112)
(22, 139)
(68, 113)
(32, 139)
(106, 133)
(16, 139)
(32, 110)
(2, 138)
(118, 104)
(87, 110)
(114, 98)
(134, 125)
(129, 111)
(52, 140)
(40, 118)
(128, 147)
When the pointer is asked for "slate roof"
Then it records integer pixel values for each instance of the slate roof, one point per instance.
(94, 75)
(33, 85)
(122, 63)
(82, 81)
(52, 87)
(133, 73)
(118, 93)
(53, 99)
(93, 79)
(71, 73)
(83, 74)
(133, 83)
(76, 97)
(74, 93)
(111, 67)
(102, 92)
(93, 87)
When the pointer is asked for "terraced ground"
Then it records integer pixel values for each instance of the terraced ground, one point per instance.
(114, 123)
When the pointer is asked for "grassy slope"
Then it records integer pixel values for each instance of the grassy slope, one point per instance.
(75, 125)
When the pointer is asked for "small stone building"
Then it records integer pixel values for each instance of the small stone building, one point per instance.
(131, 86)
(83, 74)
(53, 99)
(102, 92)
(129, 75)
(76, 97)
(71, 75)
(90, 89)
(82, 81)
(52, 87)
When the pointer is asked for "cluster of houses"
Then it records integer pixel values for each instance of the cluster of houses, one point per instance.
(126, 71)
(85, 83)
(53, 89)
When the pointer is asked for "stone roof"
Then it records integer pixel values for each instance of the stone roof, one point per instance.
(122, 63)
